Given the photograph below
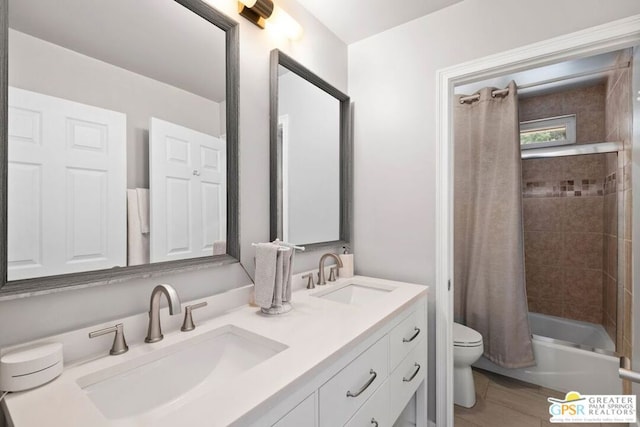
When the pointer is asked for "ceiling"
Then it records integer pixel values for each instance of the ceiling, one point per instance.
(354, 20)
(160, 39)
(592, 66)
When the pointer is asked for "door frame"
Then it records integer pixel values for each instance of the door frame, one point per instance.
(635, 216)
(615, 35)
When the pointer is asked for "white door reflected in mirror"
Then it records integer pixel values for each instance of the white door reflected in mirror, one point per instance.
(66, 186)
(188, 192)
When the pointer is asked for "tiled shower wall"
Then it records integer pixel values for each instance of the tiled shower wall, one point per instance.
(587, 103)
(563, 209)
(573, 206)
(563, 233)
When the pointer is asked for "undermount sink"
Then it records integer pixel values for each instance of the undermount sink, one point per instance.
(163, 376)
(355, 293)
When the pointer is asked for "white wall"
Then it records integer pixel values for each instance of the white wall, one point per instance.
(313, 163)
(32, 317)
(392, 81)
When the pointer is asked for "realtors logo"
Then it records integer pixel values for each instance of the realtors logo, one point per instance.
(577, 408)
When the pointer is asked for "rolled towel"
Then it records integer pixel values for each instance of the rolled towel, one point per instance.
(266, 266)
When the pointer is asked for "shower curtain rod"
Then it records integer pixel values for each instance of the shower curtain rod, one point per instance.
(501, 92)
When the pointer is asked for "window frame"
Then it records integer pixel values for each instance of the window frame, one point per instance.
(568, 121)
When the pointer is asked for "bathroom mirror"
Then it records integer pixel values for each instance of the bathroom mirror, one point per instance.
(311, 157)
(120, 145)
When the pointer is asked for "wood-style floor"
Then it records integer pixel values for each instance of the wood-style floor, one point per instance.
(505, 402)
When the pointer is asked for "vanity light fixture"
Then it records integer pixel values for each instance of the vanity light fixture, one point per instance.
(264, 13)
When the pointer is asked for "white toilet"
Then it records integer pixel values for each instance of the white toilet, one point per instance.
(467, 348)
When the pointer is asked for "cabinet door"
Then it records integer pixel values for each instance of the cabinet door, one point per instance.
(407, 335)
(342, 395)
(404, 381)
(375, 411)
(303, 415)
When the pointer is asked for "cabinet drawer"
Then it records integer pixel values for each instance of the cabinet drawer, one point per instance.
(406, 336)
(303, 415)
(342, 395)
(375, 411)
(405, 379)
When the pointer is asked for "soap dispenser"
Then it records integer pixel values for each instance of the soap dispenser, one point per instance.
(347, 263)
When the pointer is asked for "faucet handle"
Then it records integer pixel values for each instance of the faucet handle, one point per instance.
(310, 284)
(119, 345)
(333, 272)
(188, 324)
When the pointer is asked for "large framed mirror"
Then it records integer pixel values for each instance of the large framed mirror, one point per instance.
(119, 132)
(311, 157)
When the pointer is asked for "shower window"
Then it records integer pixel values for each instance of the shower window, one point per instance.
(548, 132)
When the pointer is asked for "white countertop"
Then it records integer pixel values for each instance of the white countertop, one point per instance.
(316, 332)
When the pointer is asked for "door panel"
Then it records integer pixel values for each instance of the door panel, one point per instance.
(86, 216)
(25, 213)
(178, 214)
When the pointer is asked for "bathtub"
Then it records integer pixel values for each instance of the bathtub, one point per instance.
(570, 356)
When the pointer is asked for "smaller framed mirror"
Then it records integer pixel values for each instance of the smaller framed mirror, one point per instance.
(311, 157)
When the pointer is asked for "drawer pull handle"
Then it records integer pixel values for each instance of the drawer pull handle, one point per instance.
(417, 365)
(374, 422)
(413, 337)
(364, 387)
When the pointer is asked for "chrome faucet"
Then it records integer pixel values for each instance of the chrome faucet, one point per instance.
(321, 279)
(154, 333)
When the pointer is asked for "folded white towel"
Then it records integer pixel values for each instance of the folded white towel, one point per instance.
(143, 209)
(266, 266)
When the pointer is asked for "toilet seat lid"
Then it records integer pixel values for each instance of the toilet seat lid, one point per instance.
(463, 335)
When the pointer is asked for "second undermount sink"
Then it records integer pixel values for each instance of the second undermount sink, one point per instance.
(355, 293)
(163, 376)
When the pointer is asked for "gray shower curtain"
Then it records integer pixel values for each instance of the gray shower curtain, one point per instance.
(489, 279)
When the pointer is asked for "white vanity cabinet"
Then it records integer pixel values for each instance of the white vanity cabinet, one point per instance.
(371, 387)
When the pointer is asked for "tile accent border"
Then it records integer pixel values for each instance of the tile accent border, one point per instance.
(565, 188)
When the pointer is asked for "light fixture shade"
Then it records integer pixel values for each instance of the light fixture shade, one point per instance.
(264, 13)
(282, 22)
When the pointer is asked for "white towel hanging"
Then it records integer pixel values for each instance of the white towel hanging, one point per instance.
(143, 209)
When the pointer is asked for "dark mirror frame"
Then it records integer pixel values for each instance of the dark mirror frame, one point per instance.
(346, 152)
(119, 274)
